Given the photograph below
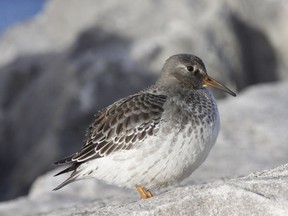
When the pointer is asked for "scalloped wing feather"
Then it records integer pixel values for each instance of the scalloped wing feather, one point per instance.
(122, 125)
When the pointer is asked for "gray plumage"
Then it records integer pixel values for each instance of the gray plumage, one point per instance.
(155, 137)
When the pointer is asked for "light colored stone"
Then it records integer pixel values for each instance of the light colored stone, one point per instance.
(263, 193)
(268, 17)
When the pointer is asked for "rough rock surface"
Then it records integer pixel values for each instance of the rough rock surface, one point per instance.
(75, 57)
(262, 193)
(247, 143)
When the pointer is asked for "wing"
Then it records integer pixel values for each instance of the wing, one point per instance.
(122, 125)
(119, 127)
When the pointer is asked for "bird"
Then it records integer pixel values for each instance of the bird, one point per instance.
(156, 137)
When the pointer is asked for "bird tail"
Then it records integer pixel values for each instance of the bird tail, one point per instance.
(72, 168)
(71, 179)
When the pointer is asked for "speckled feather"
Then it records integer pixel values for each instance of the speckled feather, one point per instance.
(122, 125)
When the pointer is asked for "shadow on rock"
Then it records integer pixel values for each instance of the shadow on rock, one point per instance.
(259, 62)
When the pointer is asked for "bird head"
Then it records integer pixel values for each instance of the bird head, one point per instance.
(189, 72)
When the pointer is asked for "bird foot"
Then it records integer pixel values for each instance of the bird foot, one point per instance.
(144, 193)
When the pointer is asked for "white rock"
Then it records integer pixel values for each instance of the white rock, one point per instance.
(264, 193)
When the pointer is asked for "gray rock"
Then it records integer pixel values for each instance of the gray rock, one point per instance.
(41, 198)
(220, 32)
(263, 193)
(267, 18)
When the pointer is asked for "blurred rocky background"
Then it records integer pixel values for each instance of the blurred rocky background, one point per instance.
(75, 57)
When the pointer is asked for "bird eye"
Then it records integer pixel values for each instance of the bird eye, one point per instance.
(190, 68)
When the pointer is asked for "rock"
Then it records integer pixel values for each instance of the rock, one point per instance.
(41, 198)
(59, 68)
(220, 32)
(269, 19)
(261, 193)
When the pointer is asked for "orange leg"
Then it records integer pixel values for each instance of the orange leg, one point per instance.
(144, 193)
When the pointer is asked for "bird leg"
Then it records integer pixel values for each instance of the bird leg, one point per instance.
(144, 193)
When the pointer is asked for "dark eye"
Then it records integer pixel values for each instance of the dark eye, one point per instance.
(190, 68)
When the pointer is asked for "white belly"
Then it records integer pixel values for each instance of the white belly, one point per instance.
(159, 161)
